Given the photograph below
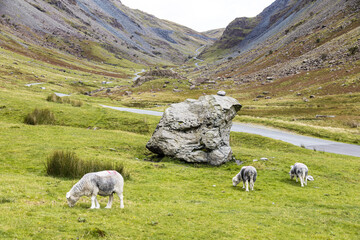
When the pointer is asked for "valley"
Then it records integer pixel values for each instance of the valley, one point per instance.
(294, 67)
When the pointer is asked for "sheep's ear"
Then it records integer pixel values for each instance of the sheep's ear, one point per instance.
(292, 166)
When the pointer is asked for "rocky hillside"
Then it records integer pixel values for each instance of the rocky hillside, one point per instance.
(215, 33)
(95, 29)
(288, 39)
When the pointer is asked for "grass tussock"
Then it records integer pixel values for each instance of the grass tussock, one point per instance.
(67, 164)
(40, 117)
(54, 98)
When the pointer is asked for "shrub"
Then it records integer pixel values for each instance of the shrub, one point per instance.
(54, 98)
(353, 50)
(40, 116)
(76, 103)
(323, 56)
(67, 164)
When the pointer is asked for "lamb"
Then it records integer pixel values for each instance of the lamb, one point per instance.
(104, 183)
(247, 174)
(299, 170)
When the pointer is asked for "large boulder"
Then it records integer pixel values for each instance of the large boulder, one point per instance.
(196, 130)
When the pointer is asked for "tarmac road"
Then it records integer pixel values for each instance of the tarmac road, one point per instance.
(289, 137)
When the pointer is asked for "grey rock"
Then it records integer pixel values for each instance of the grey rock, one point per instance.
(221, 93)
(196, 130)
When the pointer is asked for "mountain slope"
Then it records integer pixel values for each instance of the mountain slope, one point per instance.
(287, 38)
(96, 28)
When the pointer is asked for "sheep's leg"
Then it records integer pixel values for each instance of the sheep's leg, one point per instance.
(247, 186)
(296, 178)
(97, 203)
(251, 185)
(243, 184)
(94, 202)
(301, 181)
(306, 180)
(121, 197)
(111, 197)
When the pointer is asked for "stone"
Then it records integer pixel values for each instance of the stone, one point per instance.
(221, 93)
(196, 130)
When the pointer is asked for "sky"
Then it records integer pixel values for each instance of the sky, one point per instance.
(200, 15)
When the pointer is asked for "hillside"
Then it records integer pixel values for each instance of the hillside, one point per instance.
(215, 33)
(99, 30)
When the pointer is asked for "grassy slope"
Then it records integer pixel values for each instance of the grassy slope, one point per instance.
(163, 200)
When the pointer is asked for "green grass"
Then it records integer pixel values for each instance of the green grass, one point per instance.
(170, 199)
(165, 198)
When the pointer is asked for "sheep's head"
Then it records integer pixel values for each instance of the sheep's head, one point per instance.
(71, 199)
(235, 181)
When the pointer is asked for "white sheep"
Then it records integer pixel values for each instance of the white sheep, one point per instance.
(104, 183)
(299, 170)
(248, 175)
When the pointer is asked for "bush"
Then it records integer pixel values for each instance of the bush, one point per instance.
(40, 116)
(353, 50)
(54, 98)
(76, 103)
(67, 164)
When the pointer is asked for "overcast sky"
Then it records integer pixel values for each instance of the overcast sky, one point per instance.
(200, 15)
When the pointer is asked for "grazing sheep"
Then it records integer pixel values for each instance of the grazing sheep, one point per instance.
(247, 174)
(104, 183)
(299, 170)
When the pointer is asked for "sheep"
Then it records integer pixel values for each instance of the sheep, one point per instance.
(299, 170)
(104, 183)
(247, 174)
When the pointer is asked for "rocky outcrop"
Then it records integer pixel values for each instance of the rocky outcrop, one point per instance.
(196, 130)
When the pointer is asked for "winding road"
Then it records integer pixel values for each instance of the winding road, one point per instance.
(289, 137)
(137, 74)
(197, 54)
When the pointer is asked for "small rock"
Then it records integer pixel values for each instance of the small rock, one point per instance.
(214, 185)
(310, 178)
(255, 160)
(312, 96)
(264, 159)
(221, 93)
(43, 88)
(80, 219)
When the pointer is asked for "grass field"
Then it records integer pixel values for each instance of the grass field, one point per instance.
(164, 198)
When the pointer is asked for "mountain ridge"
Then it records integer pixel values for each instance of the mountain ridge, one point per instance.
(133, 34)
